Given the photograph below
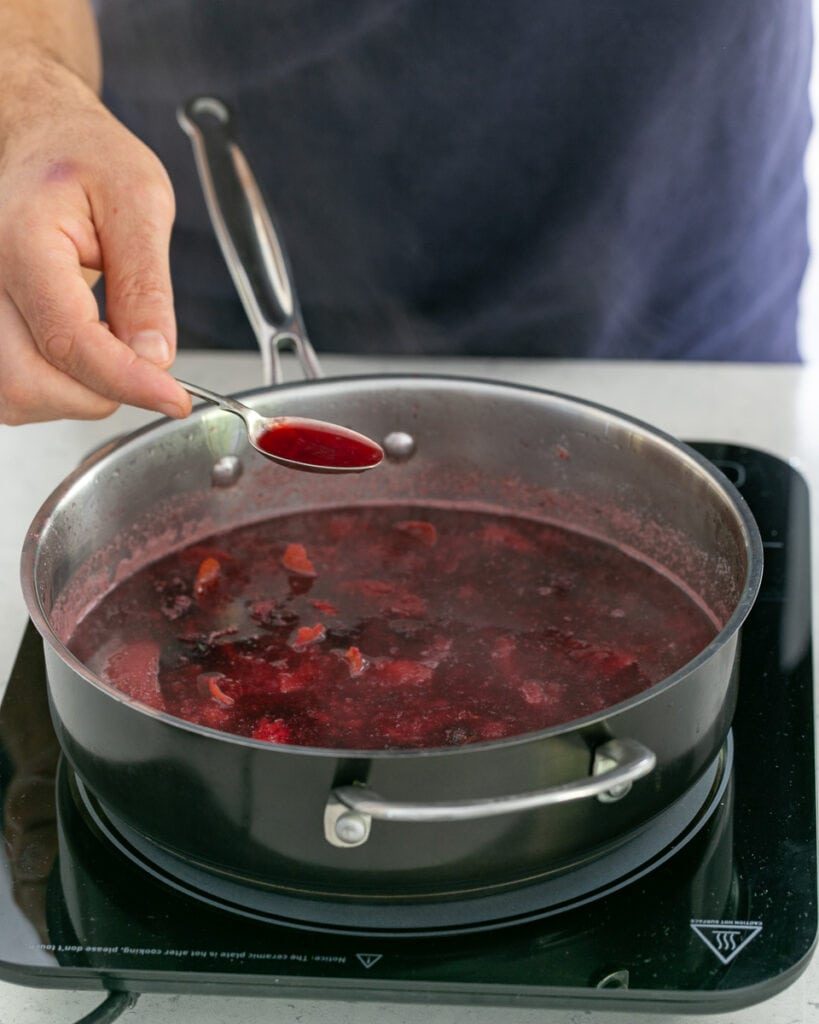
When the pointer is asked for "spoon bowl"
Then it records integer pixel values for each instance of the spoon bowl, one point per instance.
(312, 446)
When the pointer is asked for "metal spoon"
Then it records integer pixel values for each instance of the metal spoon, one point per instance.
(322, 447)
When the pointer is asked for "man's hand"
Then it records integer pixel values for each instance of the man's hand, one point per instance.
(78, 190)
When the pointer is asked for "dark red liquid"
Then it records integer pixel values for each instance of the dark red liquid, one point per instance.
(315, 445)
(391, 627)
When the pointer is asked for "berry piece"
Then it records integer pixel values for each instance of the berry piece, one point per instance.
(532, 693)
(209, 684)
(207, 576)
(355, 659)
(297, 562)
(174, 606)
(272, 730)
(403, 672)
(420, 530)
(306, 635)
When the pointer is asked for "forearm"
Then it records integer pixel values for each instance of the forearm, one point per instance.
(61, 31)
(49, 65)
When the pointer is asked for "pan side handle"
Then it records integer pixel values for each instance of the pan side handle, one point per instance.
(248, 237)
(616, 765)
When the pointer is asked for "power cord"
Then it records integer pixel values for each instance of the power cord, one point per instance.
(114, 1006)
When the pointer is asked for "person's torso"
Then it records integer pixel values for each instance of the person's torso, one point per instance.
(603, 179)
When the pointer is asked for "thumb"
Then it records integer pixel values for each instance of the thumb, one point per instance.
(134, 233)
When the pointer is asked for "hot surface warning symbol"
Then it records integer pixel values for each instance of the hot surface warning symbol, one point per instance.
(727, 939)
(368, 959)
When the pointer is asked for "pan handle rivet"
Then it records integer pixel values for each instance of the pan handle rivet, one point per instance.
(351, 828)
(226, 471)
(399, 446)
(343, 827)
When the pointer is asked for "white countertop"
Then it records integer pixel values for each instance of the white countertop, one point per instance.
(775, 408)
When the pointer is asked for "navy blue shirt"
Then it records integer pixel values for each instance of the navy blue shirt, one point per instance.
(602, 178)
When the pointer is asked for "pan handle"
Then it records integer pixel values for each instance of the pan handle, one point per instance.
(251, 244)
(616, 765)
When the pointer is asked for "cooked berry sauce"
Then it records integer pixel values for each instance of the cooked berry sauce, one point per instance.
(321, 445)
(391, 627)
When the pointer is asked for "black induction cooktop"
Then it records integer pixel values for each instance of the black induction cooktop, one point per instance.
(721, 915)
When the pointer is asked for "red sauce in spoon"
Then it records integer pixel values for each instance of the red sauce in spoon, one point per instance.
(317, 445)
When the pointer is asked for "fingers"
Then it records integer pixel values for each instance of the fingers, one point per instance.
(31, 389)
(96, 199)
(134, 228)
(103, 363)
(61, 315)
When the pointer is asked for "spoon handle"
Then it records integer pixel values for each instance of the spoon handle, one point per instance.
(223, 401)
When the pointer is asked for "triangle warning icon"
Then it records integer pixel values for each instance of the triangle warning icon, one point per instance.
(368, 959)
(727, 939)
